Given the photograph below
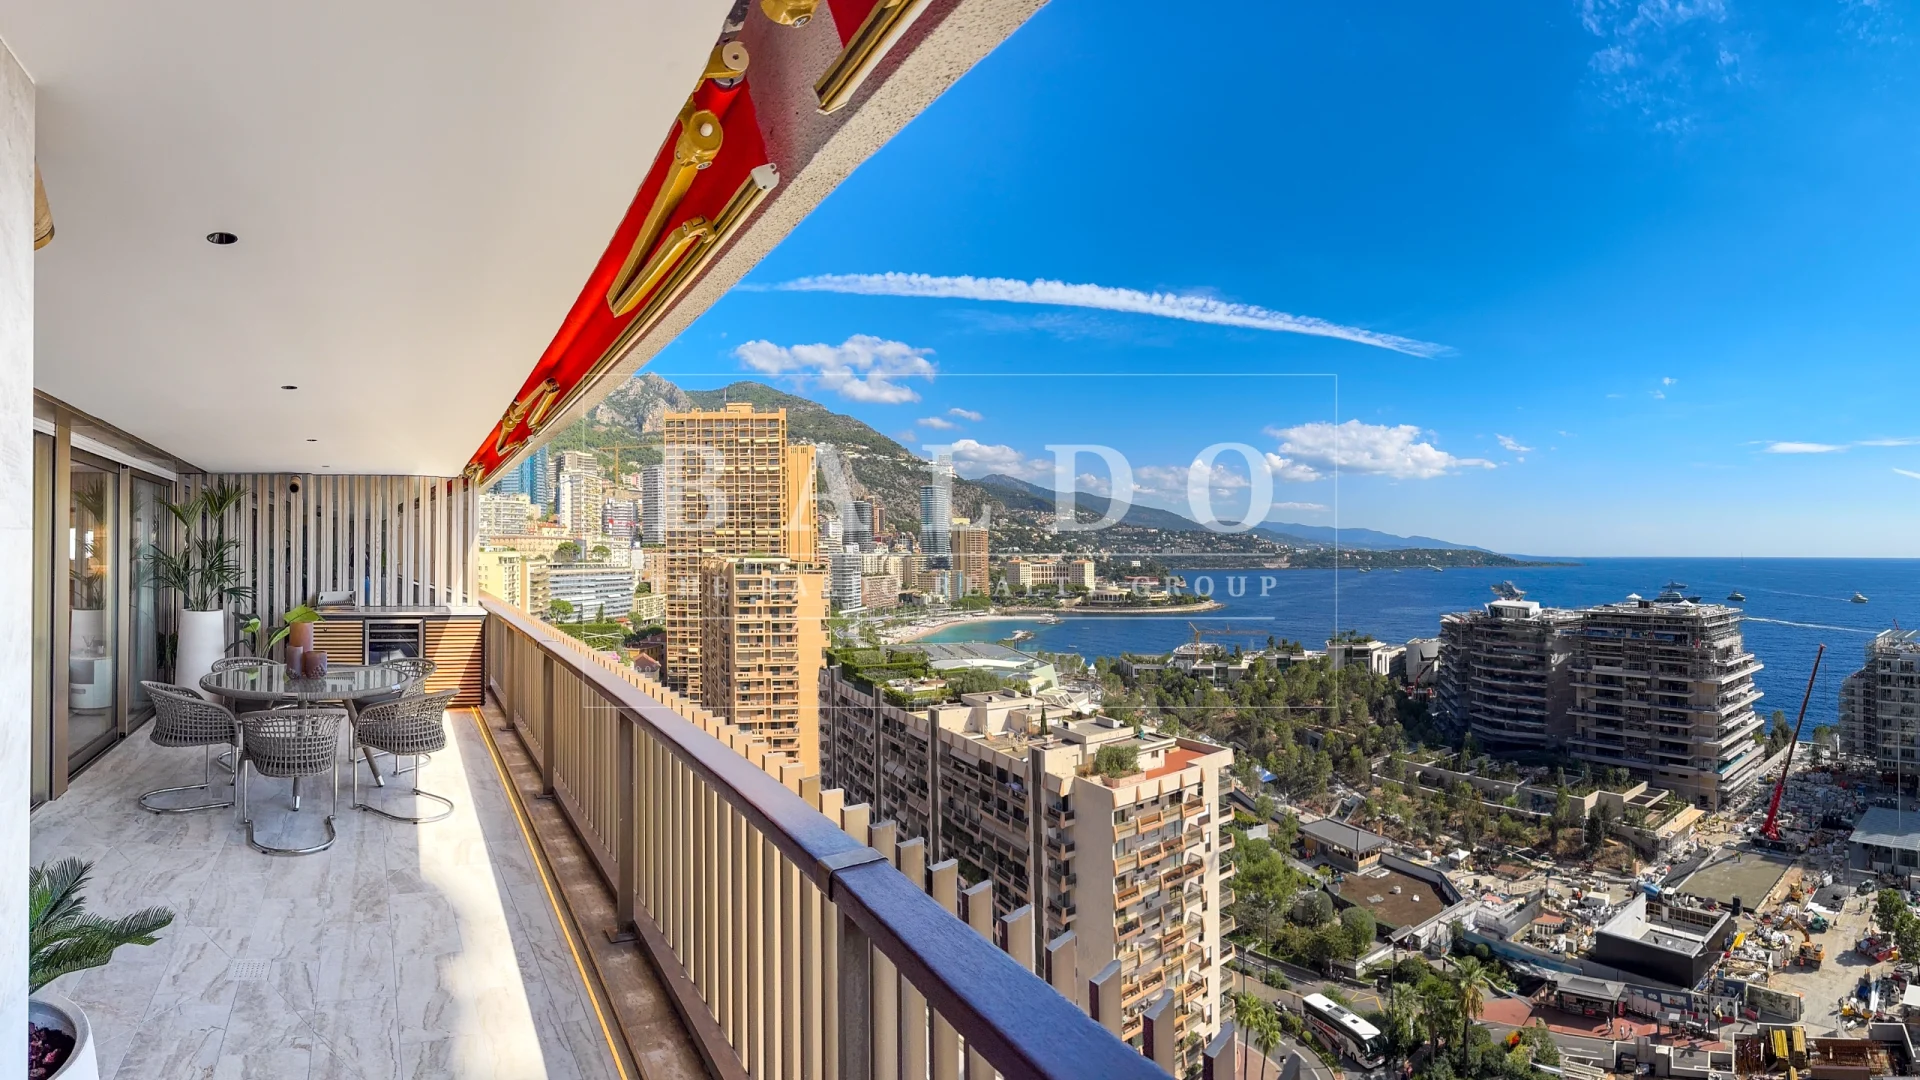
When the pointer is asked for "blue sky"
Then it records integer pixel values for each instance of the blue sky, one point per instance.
(1586, 278)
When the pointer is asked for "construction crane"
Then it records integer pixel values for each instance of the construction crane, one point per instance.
(617, 447)
(1771, 830)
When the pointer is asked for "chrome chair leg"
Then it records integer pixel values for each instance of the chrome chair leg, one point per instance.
(417, 793)
(266, 849)
(205, 785)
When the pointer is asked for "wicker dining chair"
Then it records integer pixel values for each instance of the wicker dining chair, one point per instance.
(288, 744)
(417, 672)
(181, 717)
(412, 726)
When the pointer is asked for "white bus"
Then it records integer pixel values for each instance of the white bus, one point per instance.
(1341, 1032)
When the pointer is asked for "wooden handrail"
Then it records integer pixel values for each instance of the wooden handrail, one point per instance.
(1018, 1023)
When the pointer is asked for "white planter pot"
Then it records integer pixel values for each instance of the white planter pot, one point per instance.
(203, 640)
(50, 1010)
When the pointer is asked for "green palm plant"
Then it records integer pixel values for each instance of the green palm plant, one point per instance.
(205, 570)
(1266, 1035)
(61, 935)
(1471, 980)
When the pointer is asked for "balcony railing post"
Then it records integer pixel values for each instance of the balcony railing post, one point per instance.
(856, 1002)
(628, 827)
(549, 760)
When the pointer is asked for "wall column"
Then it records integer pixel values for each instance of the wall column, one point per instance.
(16, 543)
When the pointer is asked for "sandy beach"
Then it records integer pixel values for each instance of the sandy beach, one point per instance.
(919, 630)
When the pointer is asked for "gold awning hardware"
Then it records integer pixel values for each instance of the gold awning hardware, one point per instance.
(543, 408)
(689, 255)
(694, 149)
(789, 12)
(727, 64)
(539, 401)
(882, 27)
(42, 213)
(665, 257)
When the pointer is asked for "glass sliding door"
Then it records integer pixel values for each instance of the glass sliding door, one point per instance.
(93, 588)
(147, 531)
(42, 773)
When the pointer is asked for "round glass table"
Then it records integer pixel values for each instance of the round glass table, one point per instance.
(273, 684)
(276, 685)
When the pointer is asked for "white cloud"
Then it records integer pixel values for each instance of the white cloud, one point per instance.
(1378, 449)
(937, 423)
(965, 414)
(862, 368)
(1658, 59)
(1285, 468)
(974, 459)
(1170, 481)
(1888, 442)
(1668, 381)
(1908, 473)
(1512, 445)
(1304, 507)
(1803, 448)
(1185, 306)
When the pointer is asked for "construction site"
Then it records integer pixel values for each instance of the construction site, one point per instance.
(1756, 940)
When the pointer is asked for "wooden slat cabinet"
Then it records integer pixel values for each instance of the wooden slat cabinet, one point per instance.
(450, 637)
(453, 644)
(343, 640)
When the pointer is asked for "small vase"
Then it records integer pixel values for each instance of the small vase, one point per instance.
(297, 661)
(299, 636)
(316, 663)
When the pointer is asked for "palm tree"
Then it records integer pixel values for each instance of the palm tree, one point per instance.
(1266, 1035)
(1471, 981)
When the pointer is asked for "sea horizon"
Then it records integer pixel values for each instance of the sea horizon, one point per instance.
(1792, 606)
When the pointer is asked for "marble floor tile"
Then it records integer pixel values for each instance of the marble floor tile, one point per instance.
(405, 950)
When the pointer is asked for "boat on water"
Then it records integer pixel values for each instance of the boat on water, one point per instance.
(1020, 635)
(1859, 598)
(1049, 620)
(1736, 597)
(1672, 592)
(1435, 569)
(1507, 590)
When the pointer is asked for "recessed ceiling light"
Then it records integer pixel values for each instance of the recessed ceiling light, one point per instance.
(289, 387)
(221, 238)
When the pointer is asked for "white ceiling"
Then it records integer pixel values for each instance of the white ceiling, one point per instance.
(420, 190)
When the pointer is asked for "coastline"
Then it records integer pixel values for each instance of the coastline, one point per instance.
(918, 631)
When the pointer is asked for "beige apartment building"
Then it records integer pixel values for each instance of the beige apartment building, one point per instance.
(1131, 865)
(727, 492)
(1664, 689)
(502, 572)
(970, 557)
(762, 637)
(1024, 573)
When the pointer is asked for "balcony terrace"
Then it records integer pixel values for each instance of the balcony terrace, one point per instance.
(625, 886)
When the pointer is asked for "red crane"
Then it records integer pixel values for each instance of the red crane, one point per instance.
(1771, 830)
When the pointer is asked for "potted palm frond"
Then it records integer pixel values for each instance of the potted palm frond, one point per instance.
(205, 573)
(61, 938)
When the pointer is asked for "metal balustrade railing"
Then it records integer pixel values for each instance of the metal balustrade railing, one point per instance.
(819, 945)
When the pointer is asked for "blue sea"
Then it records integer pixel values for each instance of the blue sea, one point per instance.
(1793, 605)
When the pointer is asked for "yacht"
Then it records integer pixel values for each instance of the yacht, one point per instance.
(1736, 597)
(1859, 598)
(1049, 620)
(1435, 569)
(1506, 590)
